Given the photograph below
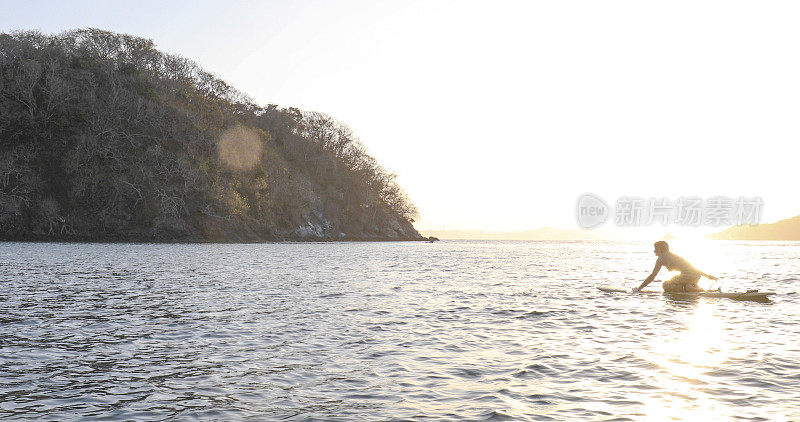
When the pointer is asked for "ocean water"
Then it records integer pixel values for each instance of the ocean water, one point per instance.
(454, 330)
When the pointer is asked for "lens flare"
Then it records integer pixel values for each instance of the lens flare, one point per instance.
(239, 148)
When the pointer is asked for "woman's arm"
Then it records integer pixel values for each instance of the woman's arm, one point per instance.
(651, 277)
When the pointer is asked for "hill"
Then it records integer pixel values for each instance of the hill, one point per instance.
(103, 137)
(788, 229)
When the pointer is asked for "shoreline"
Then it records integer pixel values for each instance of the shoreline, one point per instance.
(193, 242)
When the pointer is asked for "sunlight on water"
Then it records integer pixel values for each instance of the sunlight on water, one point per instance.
(381, 331)
(698, 346)
(701, 344)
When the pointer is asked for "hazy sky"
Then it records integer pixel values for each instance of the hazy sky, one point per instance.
(497, 115)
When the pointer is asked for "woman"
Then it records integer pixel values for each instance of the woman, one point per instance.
(686, 281)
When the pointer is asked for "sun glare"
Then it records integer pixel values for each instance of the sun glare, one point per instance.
(707, 256)
(682, 360)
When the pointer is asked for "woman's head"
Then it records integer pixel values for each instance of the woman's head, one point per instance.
(660, 248)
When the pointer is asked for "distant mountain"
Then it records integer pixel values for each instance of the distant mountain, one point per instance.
(544, 233)
(788, 229)
(103, 137)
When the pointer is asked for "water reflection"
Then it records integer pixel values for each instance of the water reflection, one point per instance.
(682, 354)
(386, 331)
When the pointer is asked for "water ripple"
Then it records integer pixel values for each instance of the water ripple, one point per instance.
(389, 331)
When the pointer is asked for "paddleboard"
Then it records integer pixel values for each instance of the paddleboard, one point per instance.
(748, 295)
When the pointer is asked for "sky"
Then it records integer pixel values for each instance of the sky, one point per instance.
(499, 115)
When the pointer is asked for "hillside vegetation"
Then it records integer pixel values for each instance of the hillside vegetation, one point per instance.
(788, 229)
(103, 137)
